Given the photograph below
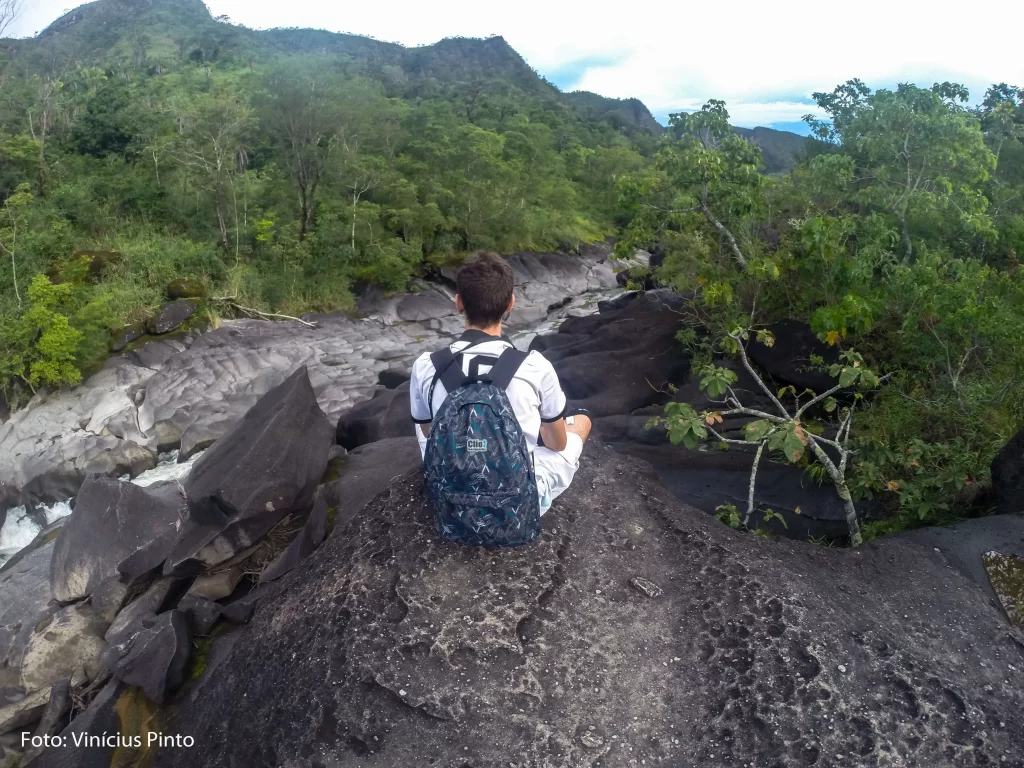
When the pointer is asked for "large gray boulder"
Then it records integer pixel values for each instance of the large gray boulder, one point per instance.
(1008, 476)
(25, 601)
(635, 631)
(151, 654)
(303, 545)
(265, 469)
(386, 416)
(118, 533)
(67, 645)
(367, 471)
(99, 719)
(171, 316)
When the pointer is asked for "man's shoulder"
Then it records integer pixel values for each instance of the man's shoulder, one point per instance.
(422, 368)
(536, 360)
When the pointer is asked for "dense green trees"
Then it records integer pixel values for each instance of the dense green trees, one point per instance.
(285, 179)
(898, 238)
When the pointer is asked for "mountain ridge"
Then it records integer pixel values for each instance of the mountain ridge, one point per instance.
(175, 29)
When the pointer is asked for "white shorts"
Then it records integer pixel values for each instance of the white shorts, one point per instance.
(556, 469)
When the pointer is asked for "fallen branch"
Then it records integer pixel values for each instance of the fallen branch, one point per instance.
(252, 313)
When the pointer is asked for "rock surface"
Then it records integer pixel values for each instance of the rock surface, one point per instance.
(368, 471)
(619, 365)
(266, 468)
(118, 532)
(303, 545)
(385, 416)
(622, 358)
(151, 654)
(1008, 476)
(171, 316)
(26, 601)
(66, 646)
(391, 648)
(788, 360)
(100, 718)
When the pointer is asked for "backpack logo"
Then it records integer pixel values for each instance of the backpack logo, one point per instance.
(476, 446)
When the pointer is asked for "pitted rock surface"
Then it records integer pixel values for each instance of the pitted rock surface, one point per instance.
(390, 648)
(146, 401)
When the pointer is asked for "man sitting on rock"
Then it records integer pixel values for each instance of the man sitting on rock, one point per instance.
(480, 406)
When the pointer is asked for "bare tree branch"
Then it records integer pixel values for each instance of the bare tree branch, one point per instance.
(10, 10)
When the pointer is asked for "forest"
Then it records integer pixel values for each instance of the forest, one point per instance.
(291, 170)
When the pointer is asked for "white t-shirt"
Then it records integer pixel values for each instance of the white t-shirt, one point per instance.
(535, 393)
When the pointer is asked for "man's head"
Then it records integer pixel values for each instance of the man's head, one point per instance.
(485, 284)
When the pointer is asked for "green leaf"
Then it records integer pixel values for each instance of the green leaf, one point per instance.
(830, 404)
(793, 447)
(756, 431)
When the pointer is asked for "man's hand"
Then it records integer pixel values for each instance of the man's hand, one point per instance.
(553, 435)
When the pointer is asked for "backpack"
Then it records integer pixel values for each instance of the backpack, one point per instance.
(478, 468)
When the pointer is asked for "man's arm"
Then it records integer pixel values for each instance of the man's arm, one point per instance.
(553, 434)
(552, 406)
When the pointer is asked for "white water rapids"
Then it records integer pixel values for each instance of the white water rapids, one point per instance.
(21, 526)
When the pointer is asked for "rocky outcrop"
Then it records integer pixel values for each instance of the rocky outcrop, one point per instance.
(622, 358)
(1008, 476)
(185, 288)
(367, 471)
(266, 468)
(149, 400)
(303, 545)
(625, 363)
(67, 645)
(171, 316)
(99, 719)
(790, 360)
(636, 630)
(385, 416)
(118, 533)
(151, 654)
(25, 588)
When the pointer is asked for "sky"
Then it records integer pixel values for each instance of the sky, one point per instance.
(763, 59)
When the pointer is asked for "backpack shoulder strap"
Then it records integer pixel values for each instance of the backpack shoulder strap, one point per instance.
(505, 369)
(447, 370)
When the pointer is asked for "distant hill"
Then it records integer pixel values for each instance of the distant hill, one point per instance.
(631, 112)
(163, 32)
(781, 151)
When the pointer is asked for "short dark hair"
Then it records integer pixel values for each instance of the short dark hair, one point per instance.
(485, 282)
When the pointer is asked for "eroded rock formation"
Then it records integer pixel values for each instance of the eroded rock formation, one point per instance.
(389, 648)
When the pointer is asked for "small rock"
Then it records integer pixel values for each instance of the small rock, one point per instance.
(154, 656)
(842, 668)
(591, 740)
(648, 588)
(171, 316)
(201, 614)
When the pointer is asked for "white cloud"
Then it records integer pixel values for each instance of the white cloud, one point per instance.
(762, 58)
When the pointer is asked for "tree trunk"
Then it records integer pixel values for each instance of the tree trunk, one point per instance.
(724, 232)
(852, 523)
(41, 180)
(753, 482)
(355, 199)
(908, 246)
(303, 214)
(223, 226)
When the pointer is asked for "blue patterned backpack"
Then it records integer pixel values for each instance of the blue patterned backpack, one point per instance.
(479, 471)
